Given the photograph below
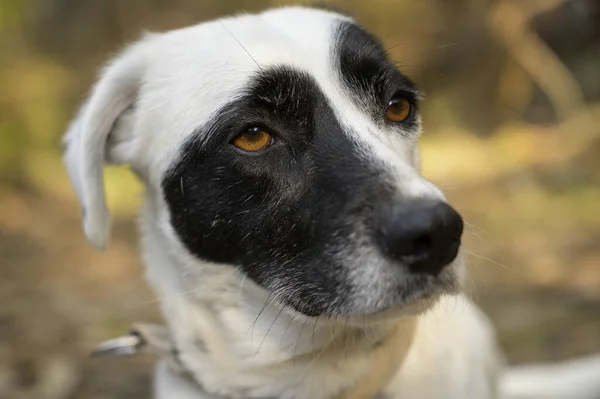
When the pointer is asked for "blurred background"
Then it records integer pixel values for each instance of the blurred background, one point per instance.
(512, 121)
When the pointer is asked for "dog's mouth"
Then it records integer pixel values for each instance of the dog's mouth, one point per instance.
(413, 294)
(413, 302)
(383, 293)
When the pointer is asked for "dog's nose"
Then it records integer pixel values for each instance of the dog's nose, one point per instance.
(424, 237)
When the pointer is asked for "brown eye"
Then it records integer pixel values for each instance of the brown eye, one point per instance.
(252, 140)
(398, 109)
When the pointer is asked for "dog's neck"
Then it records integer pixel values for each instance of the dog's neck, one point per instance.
(235, 341)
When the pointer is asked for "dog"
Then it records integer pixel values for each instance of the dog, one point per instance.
(297, 251)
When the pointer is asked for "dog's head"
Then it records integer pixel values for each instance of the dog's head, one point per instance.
(283, 144)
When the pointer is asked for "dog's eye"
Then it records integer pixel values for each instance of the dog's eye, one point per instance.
(253, 139)
(399, 109)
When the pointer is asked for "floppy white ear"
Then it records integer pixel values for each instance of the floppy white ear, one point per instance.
(103, 133)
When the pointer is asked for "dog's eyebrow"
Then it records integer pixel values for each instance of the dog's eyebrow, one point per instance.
(275, 97)
(364, 67)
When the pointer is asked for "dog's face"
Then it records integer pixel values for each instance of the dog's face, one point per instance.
(283, 144)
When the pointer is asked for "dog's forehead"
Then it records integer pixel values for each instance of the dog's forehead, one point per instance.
(194, 71)
(197, 70)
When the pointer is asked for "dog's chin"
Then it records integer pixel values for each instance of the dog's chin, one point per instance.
(416, 303)
(412, 296)
(413, 301)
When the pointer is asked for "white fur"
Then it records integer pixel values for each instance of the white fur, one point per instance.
(234, 341)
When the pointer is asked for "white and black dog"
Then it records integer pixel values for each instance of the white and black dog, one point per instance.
(295, 247)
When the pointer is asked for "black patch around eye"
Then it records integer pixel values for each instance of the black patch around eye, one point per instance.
(275, 216)
(221, 201)
(364, 68)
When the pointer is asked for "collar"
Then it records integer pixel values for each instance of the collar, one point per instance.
(150, 339)
(156, 340)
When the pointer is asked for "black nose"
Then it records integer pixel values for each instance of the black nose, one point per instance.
(424, 237)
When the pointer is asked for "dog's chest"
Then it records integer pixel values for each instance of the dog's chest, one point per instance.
(170, 384)
(452, 356)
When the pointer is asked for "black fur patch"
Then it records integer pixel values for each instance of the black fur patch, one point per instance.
(276, 214)
(370, 76)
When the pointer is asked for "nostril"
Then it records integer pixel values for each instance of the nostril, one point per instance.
(422, 243)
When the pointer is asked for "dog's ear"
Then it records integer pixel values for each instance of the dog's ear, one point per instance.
(103, 133)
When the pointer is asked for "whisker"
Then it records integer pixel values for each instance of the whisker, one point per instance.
(490, 246)
(298, 340)
(255, 320)
(268, 331)
(346, 339)
(241, 45)
(475, 231)
(292, 319)
(313, 333)
(331, 331)
(396, 45)
(488, 259)
(479, 229)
